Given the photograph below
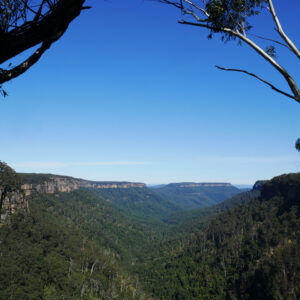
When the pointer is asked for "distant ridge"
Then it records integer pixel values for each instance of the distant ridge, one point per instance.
(198, 184)
(194, 195)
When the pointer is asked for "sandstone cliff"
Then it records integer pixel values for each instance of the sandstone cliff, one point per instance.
(48, 183)
(12, 202)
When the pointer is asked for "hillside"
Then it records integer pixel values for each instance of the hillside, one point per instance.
(188, 219)
(69, 246)
(189, 195)
(250, 252)
(140, 203)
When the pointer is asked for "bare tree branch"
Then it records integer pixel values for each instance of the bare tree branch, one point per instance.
(197, 7)
(233, 25)
(271, 40)
(173, 3)
(292, 84)
(259, 78)
(280, 30)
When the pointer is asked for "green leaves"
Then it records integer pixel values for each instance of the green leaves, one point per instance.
(271, 50)
(232, 14)
(9, 179)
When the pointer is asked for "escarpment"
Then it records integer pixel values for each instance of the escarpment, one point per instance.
(49, 184)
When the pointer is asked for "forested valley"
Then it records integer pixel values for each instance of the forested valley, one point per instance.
(141, 243)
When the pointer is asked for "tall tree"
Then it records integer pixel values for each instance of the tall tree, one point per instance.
(231, 19)
(28, 23)
(10, 182)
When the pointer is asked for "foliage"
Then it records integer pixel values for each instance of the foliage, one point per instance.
(101, 221)
(250, 252)
(52, 254)
(9, 182)
(143, 204)
(189, 221)
(81, 245)
(34, 178)
(9, 179)
(233, 14)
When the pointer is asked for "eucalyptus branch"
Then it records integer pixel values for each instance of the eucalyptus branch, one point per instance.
(197, 7)
(268, 39)
(261, 79)
(176, 4)
(6, 75)
(292, 84)
(280, 30)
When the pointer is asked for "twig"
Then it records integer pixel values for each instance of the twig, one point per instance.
(259, 78)
(271, 40)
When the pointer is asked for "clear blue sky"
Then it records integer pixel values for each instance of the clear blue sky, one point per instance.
(129, 94)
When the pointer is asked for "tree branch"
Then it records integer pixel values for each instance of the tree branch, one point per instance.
(6, 75)
(259, 78)
(29, 34)
(177, 5)
(240, 32)
(292, 84)
(271, 40)
(280, 30)
(197, 7)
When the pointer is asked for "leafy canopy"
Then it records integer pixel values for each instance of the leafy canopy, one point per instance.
(9, 180)
(232, 14)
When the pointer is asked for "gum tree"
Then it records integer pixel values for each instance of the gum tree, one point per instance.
(231, 19)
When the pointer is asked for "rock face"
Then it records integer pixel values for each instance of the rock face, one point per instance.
(11, 203)
(47, 183)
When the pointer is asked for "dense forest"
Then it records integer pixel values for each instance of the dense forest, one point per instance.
(46, 254)
(247, 252)
(137, 244)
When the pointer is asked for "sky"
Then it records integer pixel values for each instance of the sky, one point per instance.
(128, 94)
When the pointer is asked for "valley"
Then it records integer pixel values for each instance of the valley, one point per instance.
(120, 240)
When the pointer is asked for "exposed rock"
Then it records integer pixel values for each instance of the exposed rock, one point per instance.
(47, 183)
(51, 184)
(12, 202)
